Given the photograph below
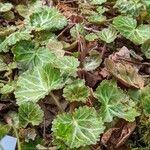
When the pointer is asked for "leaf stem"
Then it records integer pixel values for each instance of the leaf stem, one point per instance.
(17, 136)
(56, 101)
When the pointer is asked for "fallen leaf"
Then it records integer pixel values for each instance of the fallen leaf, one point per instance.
(116, 137)
(123, 52)
(125, 73)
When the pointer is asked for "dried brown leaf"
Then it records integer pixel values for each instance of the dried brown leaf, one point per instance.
(125, 73)
(114, 138)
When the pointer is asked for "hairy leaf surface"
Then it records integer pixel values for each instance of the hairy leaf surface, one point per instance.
(81, 128)
(114, 102)
(47, 19)
(76, 91)
(36, 84)
(4, 7)
(108, 35)
(13, 39)
(128, 28)
(28, 54)
(30, 113)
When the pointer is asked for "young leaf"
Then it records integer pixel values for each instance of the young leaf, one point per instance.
(96, 18)
(67, 65)
(26, 53)
(107, 35)
(8, 88)
(114, 103)
(130, 7)
(76, 91)
(93, 61)
(81, 128)
(91, 37)
(4, 7)
(46, 19)
(23, 10)
(13, 39)
(128, 27)
(100, 10)
(77, 30)
(36, 84)
(97, 2)
(125, 73)
(146, 50)
(30, 113)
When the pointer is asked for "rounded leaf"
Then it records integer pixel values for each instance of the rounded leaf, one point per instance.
(81, 128)
(27, 54)
(30, 113)
(36, 84)
(4, 7)
(114, 103)
(76, 91)
(108, 34)
(47, 19)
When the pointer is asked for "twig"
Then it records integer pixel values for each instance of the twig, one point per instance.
(56, 101)
(91, 29)
(17, 136)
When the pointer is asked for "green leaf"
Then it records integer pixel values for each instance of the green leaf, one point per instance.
(81, 128)
(107, 35)
(36, 84)
(4, 7)
(91, 37)
(3, 66)
(128, 27)
(125, 24)
(46, 19)
(140, 35)
(145, 98)
(7, 67)
(76, 91)
(8, 88)
(96, 18)
(130, 7)
(56, 47)
(77, 30)
(100, 10)
(4, 129)
(93, 61)
(114, 103)
(27, 54)
(97, 2)
(67, 65)
(9, 16)
(13, 39)
(43, 37)
(22, 10)
(146, 50)
(32, 144)
(30, 113)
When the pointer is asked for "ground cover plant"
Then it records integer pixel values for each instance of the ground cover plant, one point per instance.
(75, 75)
